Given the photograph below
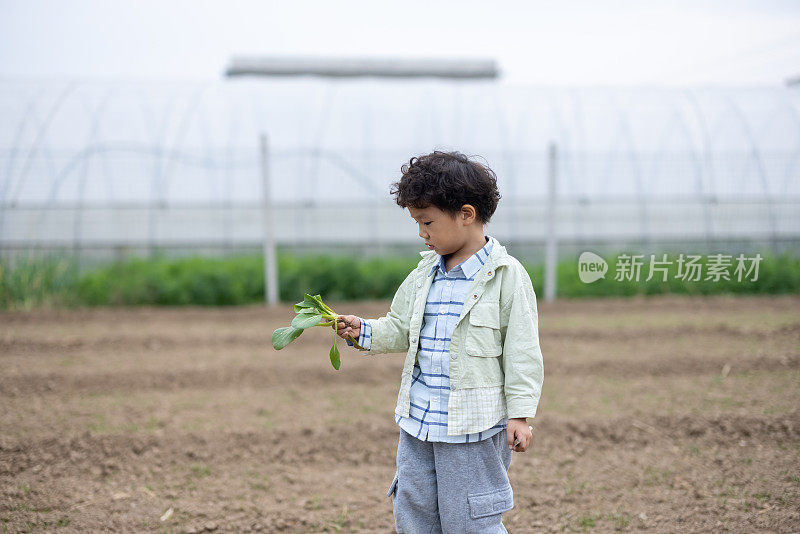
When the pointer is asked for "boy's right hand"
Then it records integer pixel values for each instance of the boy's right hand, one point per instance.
(348, 326)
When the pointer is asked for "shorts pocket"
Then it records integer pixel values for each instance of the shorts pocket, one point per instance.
(393, 487)
(490, 503)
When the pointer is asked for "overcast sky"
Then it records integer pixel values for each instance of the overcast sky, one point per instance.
(556, 43)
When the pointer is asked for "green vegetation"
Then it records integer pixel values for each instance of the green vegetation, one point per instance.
(34, 282)
(311, 312)
(57, 281)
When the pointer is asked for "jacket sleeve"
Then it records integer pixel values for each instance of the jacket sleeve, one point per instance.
(522, 356)
(390, 332)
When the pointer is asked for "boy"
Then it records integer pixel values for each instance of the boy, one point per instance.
(467, 319)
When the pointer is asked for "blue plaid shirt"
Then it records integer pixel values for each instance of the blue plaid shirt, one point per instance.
(430, 388)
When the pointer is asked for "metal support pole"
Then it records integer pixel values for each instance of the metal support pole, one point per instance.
(270, 265)
(551, 248)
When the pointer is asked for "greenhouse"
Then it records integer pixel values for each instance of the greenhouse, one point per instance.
(128, 168)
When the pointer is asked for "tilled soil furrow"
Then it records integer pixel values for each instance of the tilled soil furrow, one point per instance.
(790, 331)
(50, 346)
(102, 454)
(172, 378)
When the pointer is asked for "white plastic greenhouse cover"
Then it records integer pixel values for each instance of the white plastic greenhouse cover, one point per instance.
(83, 146)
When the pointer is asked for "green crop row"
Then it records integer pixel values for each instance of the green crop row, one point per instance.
(57, 281)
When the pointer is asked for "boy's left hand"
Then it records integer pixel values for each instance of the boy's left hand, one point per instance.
(519, 431)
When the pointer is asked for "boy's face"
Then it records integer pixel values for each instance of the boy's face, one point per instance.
(443, 233)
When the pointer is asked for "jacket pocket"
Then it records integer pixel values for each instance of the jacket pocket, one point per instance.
(483, 332)
(490, 503)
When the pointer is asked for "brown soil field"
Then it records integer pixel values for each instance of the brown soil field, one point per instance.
(664, 414)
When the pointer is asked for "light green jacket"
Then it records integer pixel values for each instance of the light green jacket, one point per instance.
(495, 341)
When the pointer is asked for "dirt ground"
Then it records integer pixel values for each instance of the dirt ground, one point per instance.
(668, 414)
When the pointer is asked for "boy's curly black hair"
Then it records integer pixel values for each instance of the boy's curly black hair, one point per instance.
(447, 180)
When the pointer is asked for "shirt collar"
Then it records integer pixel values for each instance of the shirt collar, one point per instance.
(471, 265)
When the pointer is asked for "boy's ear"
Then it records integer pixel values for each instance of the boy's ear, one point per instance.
(468, 212)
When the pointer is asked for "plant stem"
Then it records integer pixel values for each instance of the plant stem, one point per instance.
(354, 341)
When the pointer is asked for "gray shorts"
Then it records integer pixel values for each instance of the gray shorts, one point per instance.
(451, 487)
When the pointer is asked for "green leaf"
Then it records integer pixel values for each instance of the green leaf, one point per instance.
(317, 299)
(311, 301)
(336, 360)
(283, 336)
(300, 307)
(305, 320)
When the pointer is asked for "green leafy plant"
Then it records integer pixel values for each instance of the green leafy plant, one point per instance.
(311, 312)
